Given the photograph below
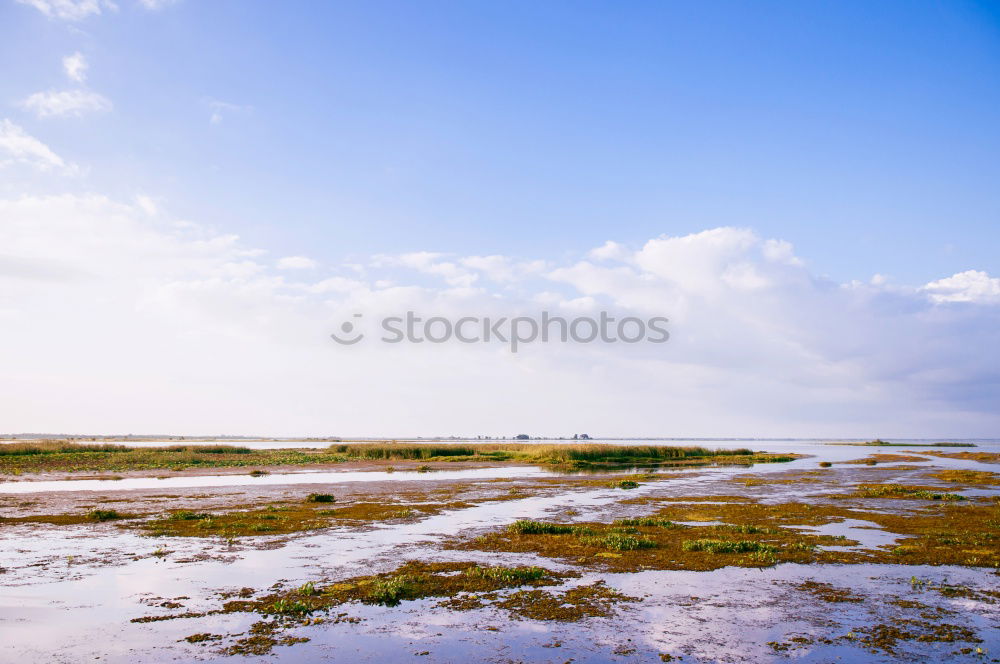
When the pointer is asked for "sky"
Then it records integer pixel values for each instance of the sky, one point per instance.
(194, 195)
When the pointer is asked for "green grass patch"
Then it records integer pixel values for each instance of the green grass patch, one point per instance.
(727, 546)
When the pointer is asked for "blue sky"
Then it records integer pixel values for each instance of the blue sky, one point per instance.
(865, 134)
(807, 190)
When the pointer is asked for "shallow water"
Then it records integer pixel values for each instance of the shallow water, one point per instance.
(67, 594)
(817, 451)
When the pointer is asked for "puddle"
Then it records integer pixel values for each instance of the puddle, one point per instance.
(867, 534)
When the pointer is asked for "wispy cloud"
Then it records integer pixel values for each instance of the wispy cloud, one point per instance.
(220, 109)
(296, 263)
(156, 5)
(76, 67)
(70, 10)
(19, 147)
(63, 103)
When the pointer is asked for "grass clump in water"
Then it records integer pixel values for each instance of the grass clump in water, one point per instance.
(528, 527)
(903, 491)
(620, 542)
(320, 498)
(965, 476)
(103, 515)
(647, 521)
(727, 546)
(508, 576)
(391, 591)
(188, 515)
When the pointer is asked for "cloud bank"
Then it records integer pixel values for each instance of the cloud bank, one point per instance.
(121, 319)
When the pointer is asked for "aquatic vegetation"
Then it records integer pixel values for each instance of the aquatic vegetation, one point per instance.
(320, 498)
(103, 515)
(887, 637)
(982, 457)
(943, 532)
(829, 593)
(188, 515)
(71, 519)
(286, 607)
(528, 527)
(413, 580)
(626, 484)
(747, 529)
(966, 476)
(391, 591)
(881, 443)
(903, 491)
(873, 459)
(464, 586)
(508, 576)
(825, 464)
(727, 546)
(202, 637)
(594, 600)
(569, 455)
(656, 542)
(65, 456)
(308, 589)
(60, 456)
(620, 542)
(646, 521)
(281, 520)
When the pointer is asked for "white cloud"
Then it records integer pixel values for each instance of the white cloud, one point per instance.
(968, 286)
(19, 147)
(609, 251)
(502, 268)
(61, 103)
(177, 316)
(219, 109)
(146, 204)
(70, 10)
(75, 66)
(155, 5)
(296, 263)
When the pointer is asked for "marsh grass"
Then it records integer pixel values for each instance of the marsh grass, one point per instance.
(508, 576)
(647, 521)
(103, 515)
(903, 491)
(956, 476)
(64, 456)
(283, 519)
(529, 527)
(572, 455)
(728, 546)
(320, 498)
(620, 542)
